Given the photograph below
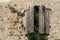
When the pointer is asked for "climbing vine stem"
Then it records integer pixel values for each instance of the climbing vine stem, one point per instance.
(20, 15)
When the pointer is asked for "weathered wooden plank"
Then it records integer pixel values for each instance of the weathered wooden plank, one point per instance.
(41, 21)
(47, 21)
(26, 21)
(30, 19)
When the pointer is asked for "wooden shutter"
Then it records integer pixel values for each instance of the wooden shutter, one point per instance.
(41, 21)
(30, 19)
(44, 20)
(47, 20)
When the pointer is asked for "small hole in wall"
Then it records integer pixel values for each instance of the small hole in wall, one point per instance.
(20, 31)
(19, 38)
(15, 4)
(8, 4)
(24, 28)
(5, 6)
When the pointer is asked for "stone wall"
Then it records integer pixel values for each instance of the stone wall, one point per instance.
(9, 31)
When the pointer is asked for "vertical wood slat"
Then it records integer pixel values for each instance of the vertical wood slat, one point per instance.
(41, 21)
(30, 19)
(27, 21)
(47, 21)
(44, 20)
(31, 22)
